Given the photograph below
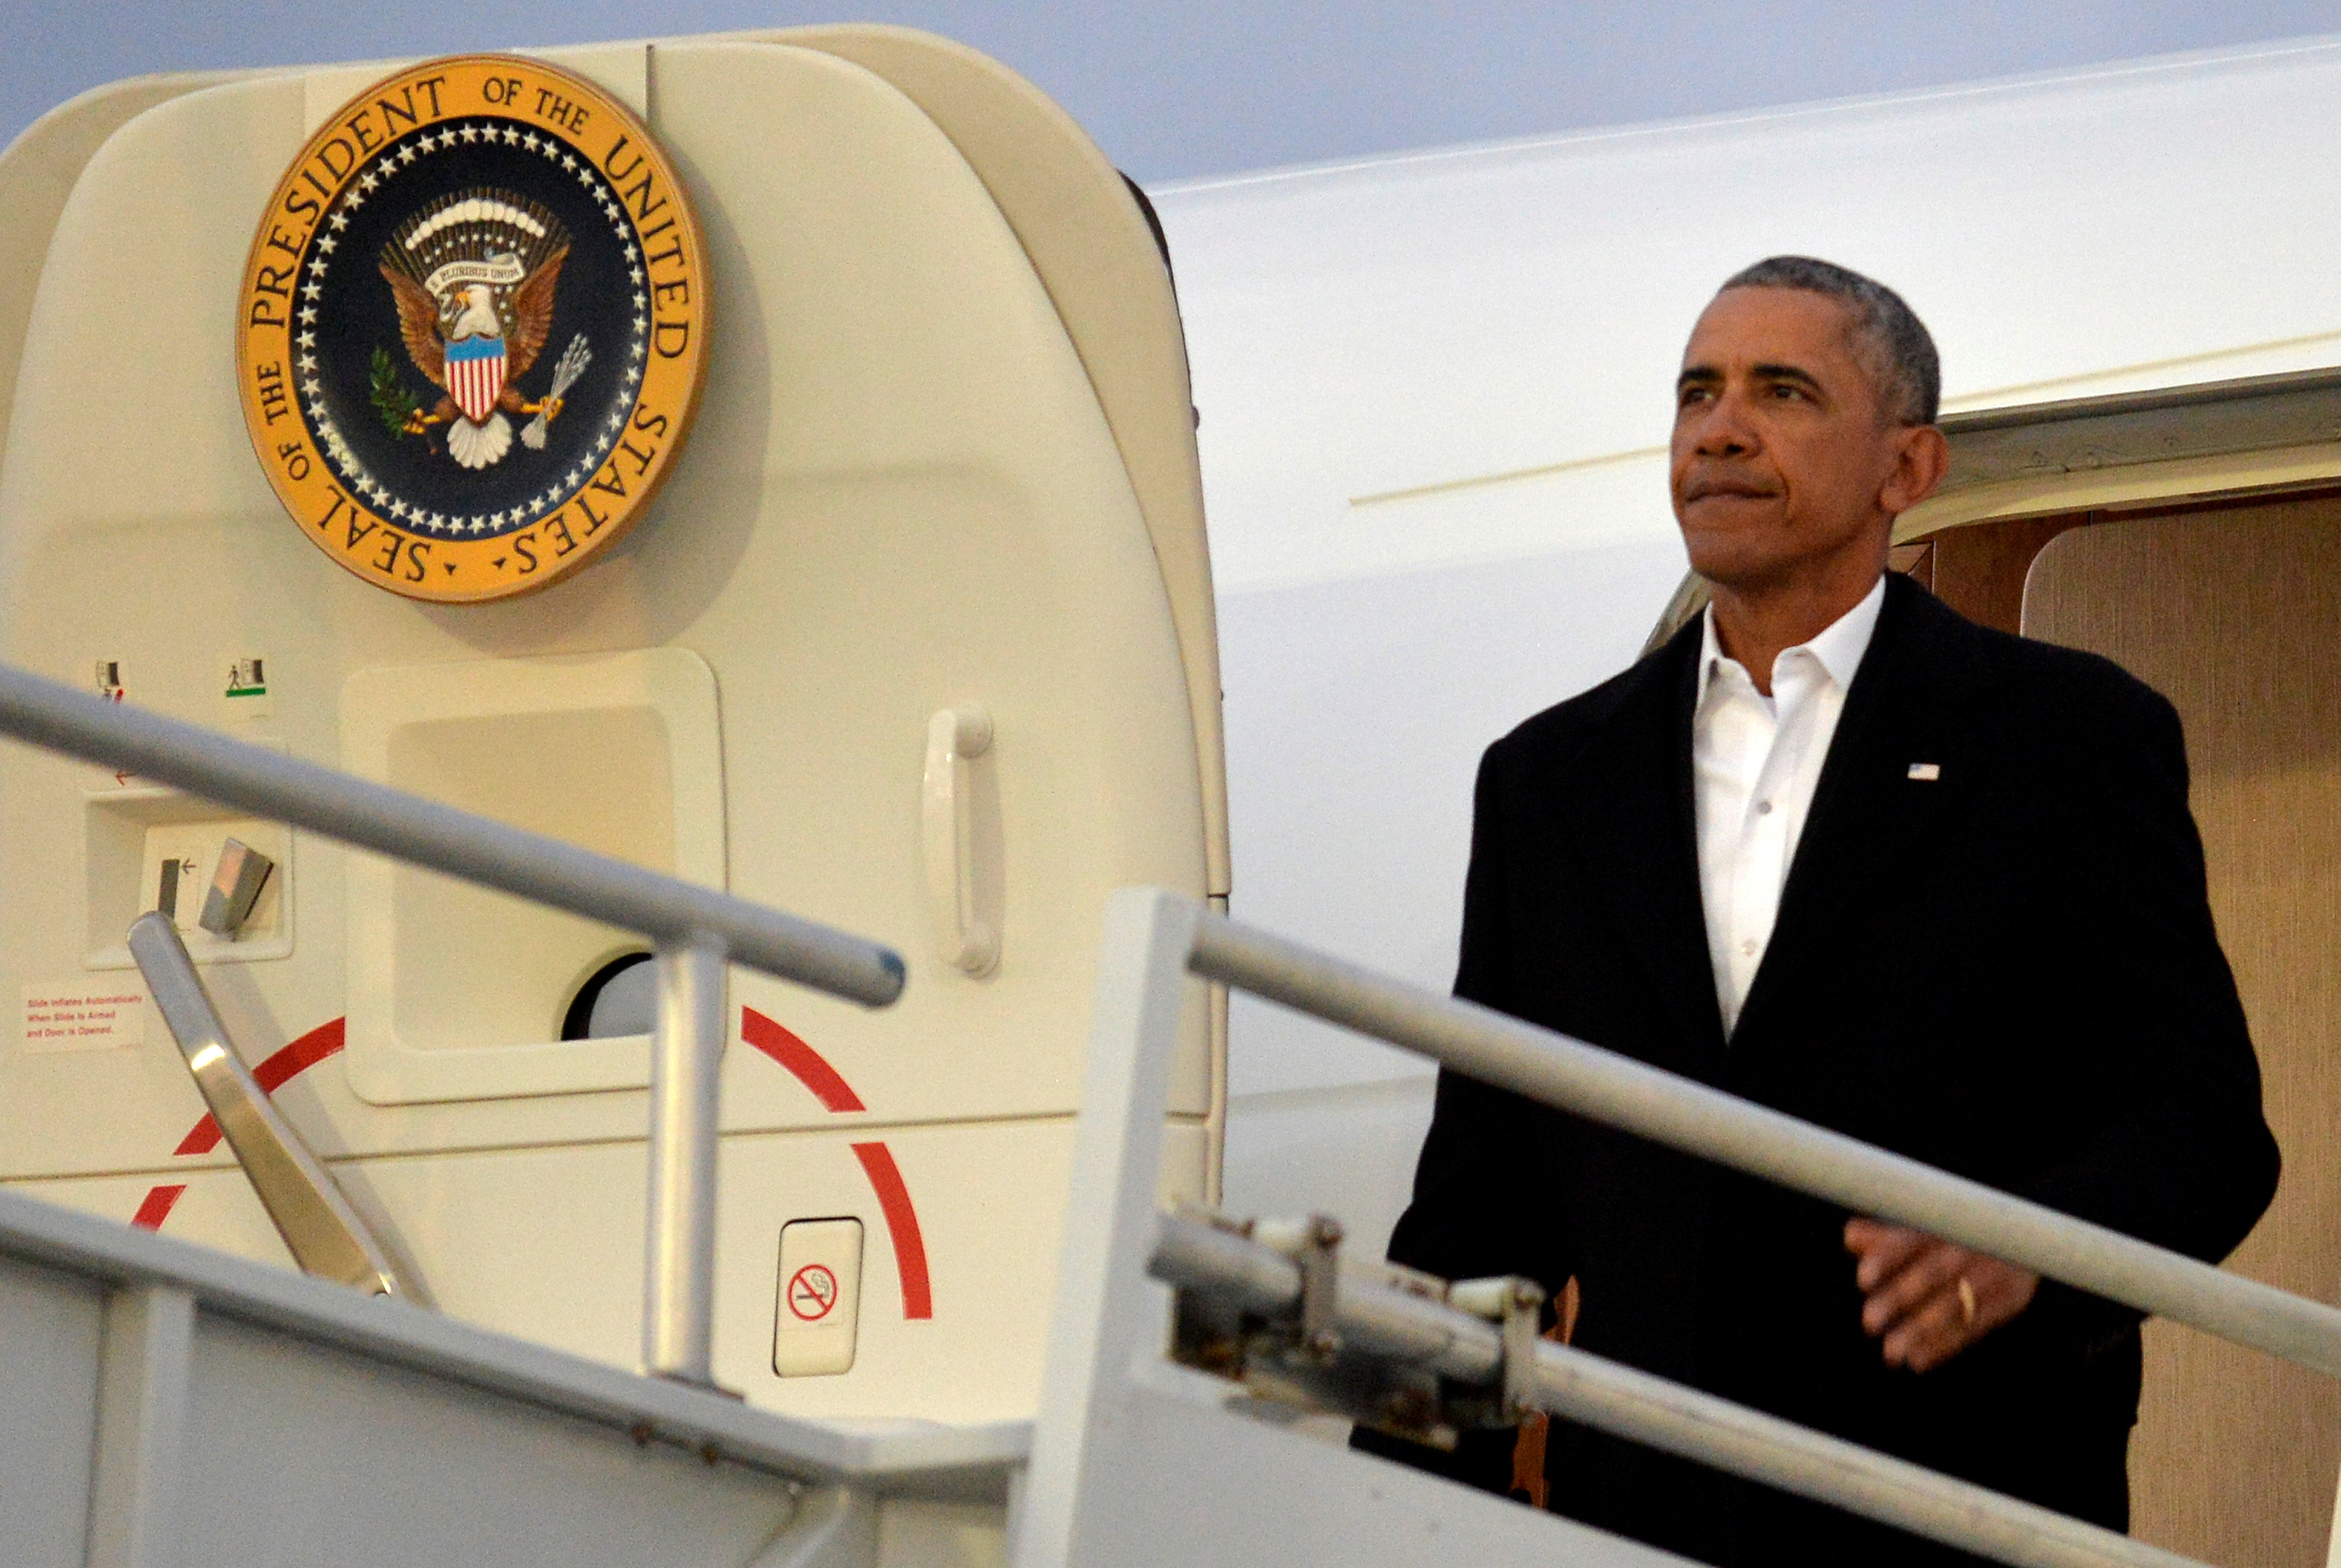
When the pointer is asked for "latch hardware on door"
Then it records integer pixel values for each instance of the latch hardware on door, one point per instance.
(325, 1234)
(962, 873)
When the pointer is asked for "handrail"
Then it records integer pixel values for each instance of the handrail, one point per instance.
(1404, 1326)
(1685, 1115)
(372, 816)
(1691, 1117)
(696, 930)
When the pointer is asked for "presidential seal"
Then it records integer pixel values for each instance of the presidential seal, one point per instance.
(474, 329)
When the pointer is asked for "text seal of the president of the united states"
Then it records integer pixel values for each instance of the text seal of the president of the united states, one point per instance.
(472, 328)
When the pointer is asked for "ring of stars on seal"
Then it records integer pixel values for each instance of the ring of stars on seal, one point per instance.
(474, 329)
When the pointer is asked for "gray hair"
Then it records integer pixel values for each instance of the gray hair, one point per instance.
(1888, 337)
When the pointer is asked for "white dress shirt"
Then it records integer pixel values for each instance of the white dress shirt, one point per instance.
(1754, 760)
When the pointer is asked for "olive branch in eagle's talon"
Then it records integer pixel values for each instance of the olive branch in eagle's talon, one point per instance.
(392, 401)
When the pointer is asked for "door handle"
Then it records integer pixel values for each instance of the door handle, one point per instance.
(327, 1237)
(956, 882)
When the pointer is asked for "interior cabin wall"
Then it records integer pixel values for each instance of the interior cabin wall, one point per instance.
(1979, 570)
(2223, 609)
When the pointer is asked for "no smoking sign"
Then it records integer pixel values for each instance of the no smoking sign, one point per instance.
(813, 1292)
(819, 1297)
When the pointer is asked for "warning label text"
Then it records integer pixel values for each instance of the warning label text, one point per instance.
(81, 1017)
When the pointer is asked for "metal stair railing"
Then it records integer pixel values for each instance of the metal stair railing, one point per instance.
(695, 931)
(1374, 1312)
(1685, 1115)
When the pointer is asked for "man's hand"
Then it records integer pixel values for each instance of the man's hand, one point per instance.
(1912, 1294)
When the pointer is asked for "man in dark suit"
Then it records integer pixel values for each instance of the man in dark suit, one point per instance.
(1837, 850)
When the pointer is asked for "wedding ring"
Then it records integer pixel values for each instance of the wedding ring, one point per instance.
(1967, 1302)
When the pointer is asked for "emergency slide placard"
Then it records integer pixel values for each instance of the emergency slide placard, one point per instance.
(83, 1015)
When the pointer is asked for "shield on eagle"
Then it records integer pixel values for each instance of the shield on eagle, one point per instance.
(475, 375)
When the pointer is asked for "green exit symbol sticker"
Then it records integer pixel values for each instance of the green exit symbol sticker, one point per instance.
(245, 693)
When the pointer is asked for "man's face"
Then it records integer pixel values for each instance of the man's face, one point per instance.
(1784, 462)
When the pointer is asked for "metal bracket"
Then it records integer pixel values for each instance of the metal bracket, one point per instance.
(1315, 1244)
(235, 888)
(1516, 1304)
(1396, 1350)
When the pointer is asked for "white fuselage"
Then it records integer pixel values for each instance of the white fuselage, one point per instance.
(1434, 401)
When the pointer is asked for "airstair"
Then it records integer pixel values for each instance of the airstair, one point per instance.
(169, 1405)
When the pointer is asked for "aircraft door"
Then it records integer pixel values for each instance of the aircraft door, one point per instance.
(2228, 613)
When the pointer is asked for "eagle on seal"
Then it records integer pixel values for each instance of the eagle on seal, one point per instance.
(474, 274)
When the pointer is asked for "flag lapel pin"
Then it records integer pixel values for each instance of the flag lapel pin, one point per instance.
(1927, 771)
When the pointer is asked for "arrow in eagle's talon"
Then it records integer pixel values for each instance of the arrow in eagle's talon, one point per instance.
(572, 364)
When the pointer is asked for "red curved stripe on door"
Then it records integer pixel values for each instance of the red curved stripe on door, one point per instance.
(281, 1068)
(157, 1206)
(801, 1059)
(782, 1045)
(813, 1070)
(902, 1225)
(274, 1074)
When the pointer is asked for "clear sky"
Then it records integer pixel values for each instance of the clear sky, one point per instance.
(1210, 87)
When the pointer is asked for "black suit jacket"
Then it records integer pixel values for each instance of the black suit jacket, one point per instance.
(2007, 971)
